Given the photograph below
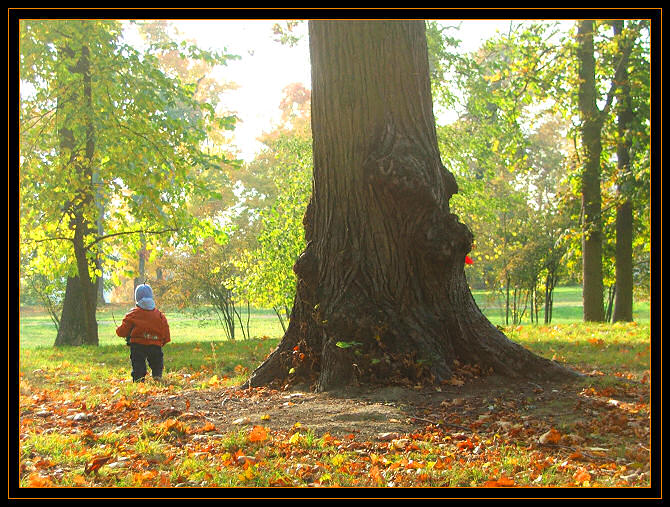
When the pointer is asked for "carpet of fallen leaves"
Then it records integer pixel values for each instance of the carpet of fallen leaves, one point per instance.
(474, 431)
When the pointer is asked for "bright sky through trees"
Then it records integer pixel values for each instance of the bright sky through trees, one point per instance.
(267, 66)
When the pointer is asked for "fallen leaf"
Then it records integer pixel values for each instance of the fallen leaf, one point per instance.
(79, 480)
(96, 463)
(496, 483)
(376, 474)
(142, 477)
(550, 437)
(258, 434)
(35, 480)
(581, 476)
(389, 436)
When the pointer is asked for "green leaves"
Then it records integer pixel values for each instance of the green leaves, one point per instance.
(134, 157)
(346, 345)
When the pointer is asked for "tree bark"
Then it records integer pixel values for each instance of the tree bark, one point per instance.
(72, 330)
(592, 268)
(623, 299)
(79, 306)
(381, 292)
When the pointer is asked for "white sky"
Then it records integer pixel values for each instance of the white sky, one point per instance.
(266, 66)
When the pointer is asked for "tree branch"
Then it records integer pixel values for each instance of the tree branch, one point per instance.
(107, 236)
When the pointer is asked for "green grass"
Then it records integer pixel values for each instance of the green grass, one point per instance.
(37, 330)
(567, 307)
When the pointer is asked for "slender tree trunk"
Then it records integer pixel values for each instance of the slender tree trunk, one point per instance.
(80, 305)
(611, 293)
(89, 288)
(72, 328)
(381, 293)
(507, 309)
(623, 302)
(98, 259)
(592, 270)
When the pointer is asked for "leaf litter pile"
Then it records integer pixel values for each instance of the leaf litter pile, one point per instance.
(473, 431)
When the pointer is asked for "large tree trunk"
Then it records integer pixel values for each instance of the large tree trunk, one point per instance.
(381, 291)
(592, 266)
(623, 299)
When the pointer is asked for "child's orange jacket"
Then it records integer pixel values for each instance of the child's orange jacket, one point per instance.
(149, 327)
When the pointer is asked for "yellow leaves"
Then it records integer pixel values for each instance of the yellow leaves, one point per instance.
(248, 474)
(296, 438)
(493, 78)
(338, 460)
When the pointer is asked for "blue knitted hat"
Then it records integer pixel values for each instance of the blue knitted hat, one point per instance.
(144, 297)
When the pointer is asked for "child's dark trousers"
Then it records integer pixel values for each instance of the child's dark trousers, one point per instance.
(140, 355)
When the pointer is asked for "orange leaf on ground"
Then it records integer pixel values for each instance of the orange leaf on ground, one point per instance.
(376, 474)
(467, 444)
(79, 480)
(258, 434)
(581, 475)
(550, 437)
(503, 481)
(96, 463)
(35, 480)
(145, 476)
(208, 426)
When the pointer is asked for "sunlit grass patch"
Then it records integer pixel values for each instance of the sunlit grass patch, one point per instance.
(610, 347)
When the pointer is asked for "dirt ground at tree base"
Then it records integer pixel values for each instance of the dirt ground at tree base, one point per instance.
(485, 404)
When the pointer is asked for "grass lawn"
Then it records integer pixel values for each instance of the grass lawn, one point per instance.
(37, 330)
(567, 307)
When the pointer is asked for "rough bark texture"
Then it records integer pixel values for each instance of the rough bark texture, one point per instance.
(592, 266)
(623, 298)
(381, 290)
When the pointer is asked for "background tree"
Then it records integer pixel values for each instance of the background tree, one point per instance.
(101, 123)
(632, 78)
(281, 176)
(381, 291)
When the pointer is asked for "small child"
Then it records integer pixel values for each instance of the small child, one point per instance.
(148, 330)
